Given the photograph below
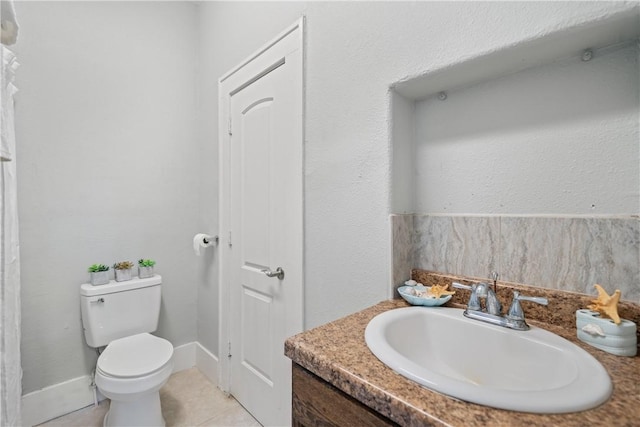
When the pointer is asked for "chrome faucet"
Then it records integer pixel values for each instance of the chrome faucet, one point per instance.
(492, 311)
(478, 291)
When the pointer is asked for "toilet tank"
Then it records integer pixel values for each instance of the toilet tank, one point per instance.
(119, 309)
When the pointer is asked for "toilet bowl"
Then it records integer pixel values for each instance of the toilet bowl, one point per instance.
(130, 372)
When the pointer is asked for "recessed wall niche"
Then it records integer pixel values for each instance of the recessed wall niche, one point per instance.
(525, 161)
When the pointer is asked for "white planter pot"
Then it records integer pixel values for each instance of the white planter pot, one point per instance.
(99, 278)
(123, 275)
(144, 272)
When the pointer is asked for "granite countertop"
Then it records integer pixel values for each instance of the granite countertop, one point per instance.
(337, 353)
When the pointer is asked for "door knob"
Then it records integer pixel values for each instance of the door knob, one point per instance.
(279, 273)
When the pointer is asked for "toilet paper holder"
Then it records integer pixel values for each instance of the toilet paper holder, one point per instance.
(203, 241)
(210, 239)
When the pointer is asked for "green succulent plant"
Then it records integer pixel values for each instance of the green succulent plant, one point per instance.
(95, 268)
(123, 265)
(146, 262)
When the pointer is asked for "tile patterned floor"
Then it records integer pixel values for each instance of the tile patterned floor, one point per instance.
(188, 399)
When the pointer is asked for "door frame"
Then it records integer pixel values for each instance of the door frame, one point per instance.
(248, 71)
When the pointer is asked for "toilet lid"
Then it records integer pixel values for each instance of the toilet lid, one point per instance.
(135, 356)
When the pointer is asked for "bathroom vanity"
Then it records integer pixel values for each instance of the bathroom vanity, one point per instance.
(337, 381)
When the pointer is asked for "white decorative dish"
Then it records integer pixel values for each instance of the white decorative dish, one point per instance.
(413, 295)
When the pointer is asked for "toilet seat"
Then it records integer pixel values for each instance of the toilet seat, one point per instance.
(135, 356)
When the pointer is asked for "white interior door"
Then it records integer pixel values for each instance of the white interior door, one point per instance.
(263, 215)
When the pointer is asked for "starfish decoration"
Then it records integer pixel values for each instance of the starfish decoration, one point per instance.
(606, 305)
(437, 291)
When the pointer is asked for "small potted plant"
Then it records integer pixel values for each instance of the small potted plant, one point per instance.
(145, 268)
(99, 274)
(123, 270)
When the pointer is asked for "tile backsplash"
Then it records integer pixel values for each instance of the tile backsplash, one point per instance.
(565, 253)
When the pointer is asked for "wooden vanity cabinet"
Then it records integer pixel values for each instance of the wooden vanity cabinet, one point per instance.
(318, 403)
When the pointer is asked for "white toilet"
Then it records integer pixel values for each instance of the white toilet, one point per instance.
(135, 364)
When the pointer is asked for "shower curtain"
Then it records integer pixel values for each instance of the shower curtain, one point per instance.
(10, 368)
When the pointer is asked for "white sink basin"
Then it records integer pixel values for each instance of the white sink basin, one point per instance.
(530, 371)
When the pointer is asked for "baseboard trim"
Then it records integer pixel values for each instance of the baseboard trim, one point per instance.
(69, 396)
(207, 363)
(184, 357)
(56, 400)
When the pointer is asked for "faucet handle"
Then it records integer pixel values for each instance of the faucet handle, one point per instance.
(537, 300)
(460, 286)
(474, 301)
(515, 311)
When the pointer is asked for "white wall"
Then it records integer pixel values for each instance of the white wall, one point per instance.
(106, 161)
(555, 139)
(403, 154)
(355, 50)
